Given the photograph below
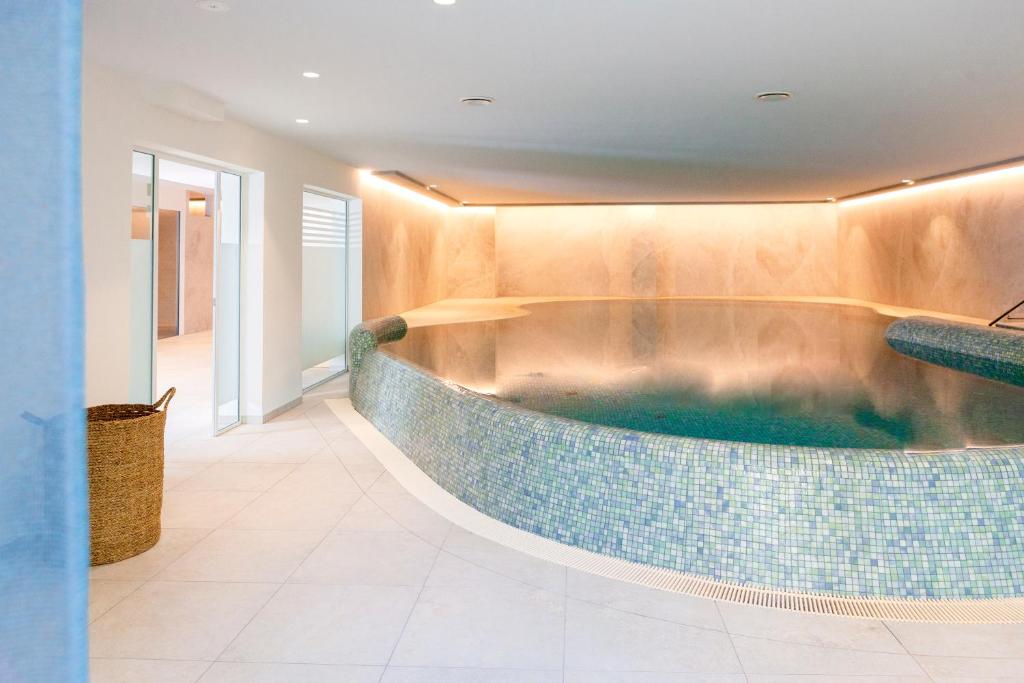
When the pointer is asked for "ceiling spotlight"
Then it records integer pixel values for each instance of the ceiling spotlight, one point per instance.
(477, 101)
(431, 187)
(773, 96)
(830, 199)
(907, 181)
(303, 121)
(444, 2)
(310, 74)
(213, 5)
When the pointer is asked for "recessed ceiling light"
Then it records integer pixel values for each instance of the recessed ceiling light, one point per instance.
(310, 74)
(477, 101)
(302, 121)
(444, 2)
(213, 5)
(774, 96)
(907, 181)
(830, 199)
(431, 187)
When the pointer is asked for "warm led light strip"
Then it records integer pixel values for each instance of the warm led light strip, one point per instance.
(926, 184)
(416, 482)
(414, 187)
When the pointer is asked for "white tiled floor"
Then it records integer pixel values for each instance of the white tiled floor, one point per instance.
(290, 555)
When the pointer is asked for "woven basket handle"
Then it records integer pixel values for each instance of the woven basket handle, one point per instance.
(165, 400)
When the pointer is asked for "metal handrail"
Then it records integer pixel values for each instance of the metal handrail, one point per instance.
(1006, 315)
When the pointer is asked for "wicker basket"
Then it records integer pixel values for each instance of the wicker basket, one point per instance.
(126, 478)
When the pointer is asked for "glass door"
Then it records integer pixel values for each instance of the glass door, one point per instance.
(324, 287)
(227, 269)
(140, 371)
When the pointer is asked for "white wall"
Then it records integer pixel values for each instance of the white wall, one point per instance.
(116, 119)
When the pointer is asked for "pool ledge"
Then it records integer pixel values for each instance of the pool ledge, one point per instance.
(853, 523)
(979, 349)
(499, 308)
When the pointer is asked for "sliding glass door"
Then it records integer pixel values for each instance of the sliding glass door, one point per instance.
(227, 303)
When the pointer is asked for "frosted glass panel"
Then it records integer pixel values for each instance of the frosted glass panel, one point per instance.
(140, 372)
(43, 523)
(227, 300)
(324, 272)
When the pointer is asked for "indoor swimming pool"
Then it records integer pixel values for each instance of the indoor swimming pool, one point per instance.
(764, 444)
(759, 372)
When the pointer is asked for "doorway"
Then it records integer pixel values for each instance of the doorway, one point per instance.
(193, 247)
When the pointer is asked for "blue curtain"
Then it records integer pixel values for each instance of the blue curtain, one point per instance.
(43, 511)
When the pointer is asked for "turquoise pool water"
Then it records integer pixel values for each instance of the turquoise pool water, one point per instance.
(759, 372)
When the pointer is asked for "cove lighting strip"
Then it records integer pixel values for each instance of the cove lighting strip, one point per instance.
(945, 181)
(412, 185)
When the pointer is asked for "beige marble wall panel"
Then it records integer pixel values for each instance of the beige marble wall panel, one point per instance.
(168, 271)
(403, 251)
(956, 249)
(469, 253)
(666, 250)
(198, 256)
(416, 252)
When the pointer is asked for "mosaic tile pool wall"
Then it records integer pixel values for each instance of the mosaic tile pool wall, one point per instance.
(987, 351)
(852, 522)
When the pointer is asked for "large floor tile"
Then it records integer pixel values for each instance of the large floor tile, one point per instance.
(207, 448)
(386, 483)
(831, 678)
(648, 602)
(326, 422)
(202, 509)
(320, 624)
(173, 544)
(649, 677)
(177, 472)
(414, 516)
(241, 672)
(964, 668)
(289, 446)
(457, 675)
(810, 629)
(244, 555)
(512, 626)
(236, 476)
(319, 477)
(368, 558)
(164, 620)
(504, 560)
(293, 419)
(763, 656)
(366, 515)
(456, 572)
(351, 451)
(367, 475)
(105, 594)
(961, 640)
(144, 671)
(605, 639)
(294, 510)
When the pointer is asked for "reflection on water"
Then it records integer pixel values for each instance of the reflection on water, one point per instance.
(798, 374)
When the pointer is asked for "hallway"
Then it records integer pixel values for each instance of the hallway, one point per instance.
(185, 362)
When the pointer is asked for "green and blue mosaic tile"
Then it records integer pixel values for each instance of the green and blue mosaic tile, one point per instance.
(851, 522)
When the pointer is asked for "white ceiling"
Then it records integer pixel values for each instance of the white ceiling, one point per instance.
(604, 100)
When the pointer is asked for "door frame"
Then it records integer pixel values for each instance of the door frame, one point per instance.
(244, 174)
